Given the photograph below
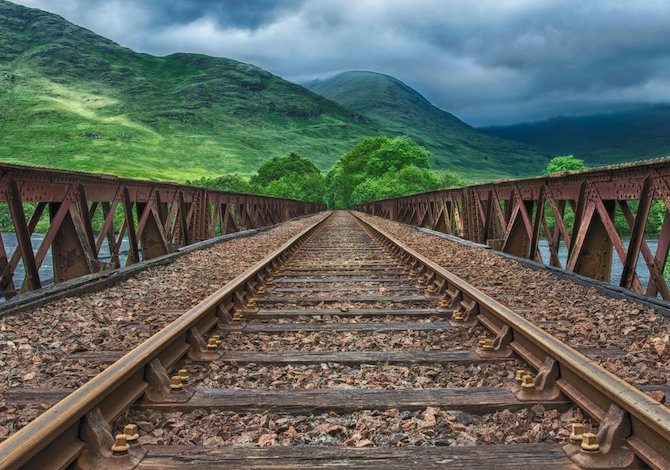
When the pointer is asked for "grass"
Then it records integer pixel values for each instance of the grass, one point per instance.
(74, 100)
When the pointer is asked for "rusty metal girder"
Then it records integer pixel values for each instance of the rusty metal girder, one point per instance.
(156, 218)
(514, 215)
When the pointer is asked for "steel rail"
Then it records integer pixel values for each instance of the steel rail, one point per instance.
(586, 383)
(52, 440)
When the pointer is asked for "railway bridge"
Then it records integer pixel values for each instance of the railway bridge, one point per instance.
(154, 325)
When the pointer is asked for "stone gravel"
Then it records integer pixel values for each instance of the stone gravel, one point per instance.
(578, 315)
(387, 428)
(35, 345)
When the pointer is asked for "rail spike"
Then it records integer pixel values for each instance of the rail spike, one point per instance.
(97, 455)
(199, 350)
(613, 452)
(500, 346)
(159, 390)
(544, 384)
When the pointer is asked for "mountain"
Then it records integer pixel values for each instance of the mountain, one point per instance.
(72, 99)
(600, 139)
(393, 105)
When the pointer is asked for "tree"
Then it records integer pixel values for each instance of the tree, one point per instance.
(277, 167)
(565, 163)
(232, 182)
(372, 170)
(292, 177)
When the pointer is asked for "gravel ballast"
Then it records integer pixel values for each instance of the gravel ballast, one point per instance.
(35, 345)
(579, 316)
(386, 428)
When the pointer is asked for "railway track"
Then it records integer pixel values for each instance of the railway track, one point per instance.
(345, 348)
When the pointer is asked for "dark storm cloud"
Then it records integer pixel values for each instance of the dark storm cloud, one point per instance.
(489, 61)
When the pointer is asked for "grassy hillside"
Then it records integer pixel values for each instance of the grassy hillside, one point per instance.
(599, 139)
(72, 99)
(393, 105)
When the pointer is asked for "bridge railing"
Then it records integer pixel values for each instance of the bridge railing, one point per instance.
(84, 214)
(576, 221)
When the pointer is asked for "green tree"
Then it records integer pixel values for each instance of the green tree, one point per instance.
(565, 163)
(278, 167)
(292, 177)
(373, 170)
(232, 182)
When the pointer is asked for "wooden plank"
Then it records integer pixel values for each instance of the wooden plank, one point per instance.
(338, 272)
(390, 326)
(325, 280)
(31, 396)
(264, 314)
(482, 457)
(401, 288)
(356, 357)
(292, 299)
(477, 400)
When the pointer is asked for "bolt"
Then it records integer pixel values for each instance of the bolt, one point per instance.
(176, 383)
(577, 432)
(457, 315)
(237, 316)
(130, 430)
(443, 303)
(218, 339)
(269, 280)
(261, 290)
(183, 373)
(251, 303)
(120, 446)
(422, 280)
(413, 272)
(431, 289)
(212, 344)
(519, 375)
(590, 442)
(487, 344)
(527, 382)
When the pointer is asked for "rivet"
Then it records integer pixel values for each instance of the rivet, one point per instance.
(590, 442)
(176, 383)
(130, 430)
(527, 382)
(120, 446)
(577, 429)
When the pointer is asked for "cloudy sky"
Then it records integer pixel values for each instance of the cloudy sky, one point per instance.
(487, 61)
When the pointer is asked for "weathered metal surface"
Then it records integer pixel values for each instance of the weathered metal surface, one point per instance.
(54, 440)
(594, 389)
(156, 217)
(514, 215)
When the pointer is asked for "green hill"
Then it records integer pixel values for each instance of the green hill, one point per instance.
(599, 139)
(394, 106)
(72, 99)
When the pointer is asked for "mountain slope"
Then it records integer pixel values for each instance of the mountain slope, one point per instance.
(599, 139)
(394, 106)
(72, 99)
